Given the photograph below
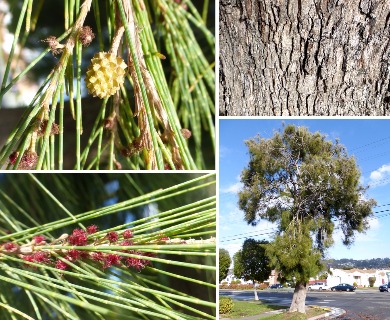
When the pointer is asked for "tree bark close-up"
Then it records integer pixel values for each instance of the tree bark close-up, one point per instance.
(299, 57)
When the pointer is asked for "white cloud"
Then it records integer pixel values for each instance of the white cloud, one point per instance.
(234, 188)
(232, 248)
(370, 235)
(224, 151)
(381, 176)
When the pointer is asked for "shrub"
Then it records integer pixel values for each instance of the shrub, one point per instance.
(225, 305)
(371, 281)
(239, 286)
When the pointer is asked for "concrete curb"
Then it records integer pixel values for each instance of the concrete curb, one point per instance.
(259, 316)
(333, 313)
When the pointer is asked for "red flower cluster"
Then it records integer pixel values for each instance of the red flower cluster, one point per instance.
(92, 229)
(11, 247)
(80, 237)
(39, 239)
(112, 236)
(128, 234)
(38, 257)
(138, 263)
(61, 265)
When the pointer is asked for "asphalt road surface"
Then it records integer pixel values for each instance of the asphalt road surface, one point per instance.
(359, 305)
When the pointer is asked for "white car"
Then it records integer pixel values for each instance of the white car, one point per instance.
(318, 286)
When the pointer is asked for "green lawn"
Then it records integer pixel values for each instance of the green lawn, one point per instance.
(246, 309)
(312, 312)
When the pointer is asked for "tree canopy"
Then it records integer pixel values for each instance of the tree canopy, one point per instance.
(254, 262)
(224, 263)
(251, 262)
(308, 186)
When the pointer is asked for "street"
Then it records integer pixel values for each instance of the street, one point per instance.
(362, 304)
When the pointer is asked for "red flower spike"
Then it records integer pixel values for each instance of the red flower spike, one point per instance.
(92, 229)
(128, 234)
(11, 247)
(112, 236)
(39, 239)
(61, 265)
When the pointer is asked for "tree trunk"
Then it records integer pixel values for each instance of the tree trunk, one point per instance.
(255, 291)
(301, 57)
(299, 298)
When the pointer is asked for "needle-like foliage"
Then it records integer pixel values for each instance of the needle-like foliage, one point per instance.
(150, 256)
(154, 88)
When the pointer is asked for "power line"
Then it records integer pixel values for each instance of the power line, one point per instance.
(255, 235)
(249, 234)
(369, 144)
(246, 233)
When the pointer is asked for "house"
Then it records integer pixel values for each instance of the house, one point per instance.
(273, 278)
(358, 276)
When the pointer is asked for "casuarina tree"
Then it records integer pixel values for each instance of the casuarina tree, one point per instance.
(253, 264)
(308, 186)
(224, 263)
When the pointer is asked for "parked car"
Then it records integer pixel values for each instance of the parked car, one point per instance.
(343, 287)
(318, 286)
(384, 287)
(276, 286)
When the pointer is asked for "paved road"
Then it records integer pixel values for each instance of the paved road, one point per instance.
(367, 305)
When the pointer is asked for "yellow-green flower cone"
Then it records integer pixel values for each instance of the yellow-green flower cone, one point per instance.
(105, 75)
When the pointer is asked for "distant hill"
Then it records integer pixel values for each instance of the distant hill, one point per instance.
(377, 263)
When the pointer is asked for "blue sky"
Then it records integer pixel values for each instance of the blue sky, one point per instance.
(367, 139)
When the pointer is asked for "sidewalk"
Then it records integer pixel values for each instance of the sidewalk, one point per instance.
(332, 313)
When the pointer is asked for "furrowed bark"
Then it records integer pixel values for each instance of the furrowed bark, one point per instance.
(300, 57)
